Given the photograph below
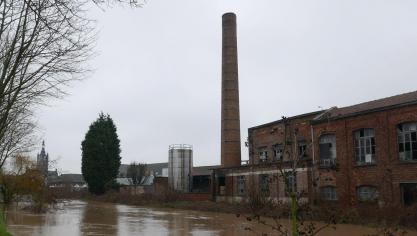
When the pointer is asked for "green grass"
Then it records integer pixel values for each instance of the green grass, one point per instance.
(3, 231)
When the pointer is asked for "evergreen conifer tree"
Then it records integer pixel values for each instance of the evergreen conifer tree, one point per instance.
(100, 154)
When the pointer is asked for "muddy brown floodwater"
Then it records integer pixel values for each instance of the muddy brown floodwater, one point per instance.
(72, 218)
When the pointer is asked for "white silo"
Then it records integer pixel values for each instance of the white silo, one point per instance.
(180, 164)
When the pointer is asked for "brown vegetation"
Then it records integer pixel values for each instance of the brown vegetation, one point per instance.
(24, 181)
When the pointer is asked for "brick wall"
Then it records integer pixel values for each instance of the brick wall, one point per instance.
(195, 196)
(386, 174)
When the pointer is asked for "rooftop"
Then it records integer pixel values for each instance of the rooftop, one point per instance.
(334, 113)
(372, 106)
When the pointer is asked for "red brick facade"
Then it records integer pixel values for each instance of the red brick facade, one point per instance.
(347, 174)
(388, 171)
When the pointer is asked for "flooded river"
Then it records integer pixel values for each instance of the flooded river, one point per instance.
(75, 218)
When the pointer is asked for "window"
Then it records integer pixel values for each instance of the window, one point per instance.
(263, 156)
(409, 193)
(329, 193)
(291, 182)
(264, 184)
(407, 141)
(327, 146)
(302, 149)
(367, 193)
(278, 152)
(364, 146)
(241, 181)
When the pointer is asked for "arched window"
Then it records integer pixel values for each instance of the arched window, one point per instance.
(367, 193)
(407, 141)
(364, 146)
(327, 144)
(328, 193)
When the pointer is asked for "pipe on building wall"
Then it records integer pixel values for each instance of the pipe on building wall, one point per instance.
(313, 151)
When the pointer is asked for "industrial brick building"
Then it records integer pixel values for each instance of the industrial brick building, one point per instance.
(361, 154)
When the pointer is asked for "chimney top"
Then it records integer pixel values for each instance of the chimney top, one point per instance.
(229, 15)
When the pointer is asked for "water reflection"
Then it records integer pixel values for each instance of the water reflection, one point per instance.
(74, 218)
(99, 219)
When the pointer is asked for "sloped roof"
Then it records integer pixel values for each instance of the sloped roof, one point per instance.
(371, 106)
(124, 181)
(203, 170)
(308, 115)
(67, 178)
(74, 178)
(156, 168)
(152, 168)
(147, 180)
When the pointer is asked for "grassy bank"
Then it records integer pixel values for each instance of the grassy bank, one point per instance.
(3, 230)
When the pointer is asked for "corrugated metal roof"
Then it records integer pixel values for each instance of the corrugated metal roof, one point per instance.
(147, 180)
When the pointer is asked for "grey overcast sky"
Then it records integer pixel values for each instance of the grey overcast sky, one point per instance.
(158, 70)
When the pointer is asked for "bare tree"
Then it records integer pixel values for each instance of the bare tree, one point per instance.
(299, 212)
(136, 171)
(19, 136)
(44, 45)
(309, 219)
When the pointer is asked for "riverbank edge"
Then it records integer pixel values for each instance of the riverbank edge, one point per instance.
(207, 206)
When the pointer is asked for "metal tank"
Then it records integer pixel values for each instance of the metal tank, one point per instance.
(180, 164)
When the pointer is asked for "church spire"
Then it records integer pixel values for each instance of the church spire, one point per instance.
(43, 148)
(43, 160)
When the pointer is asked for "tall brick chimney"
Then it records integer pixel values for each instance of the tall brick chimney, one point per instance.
(230, 127)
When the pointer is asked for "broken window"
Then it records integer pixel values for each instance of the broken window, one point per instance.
(367, 193)
(263, 156)
(407, 141)
(329, 193)
(264, 184)
(365, 146)
(302, 149)
(291, 183)
(278, 152)
(222, 185)
(327, 148)
(409, 193)
(241, 181)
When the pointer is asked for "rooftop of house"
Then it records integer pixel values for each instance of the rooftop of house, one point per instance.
(124, 181)
(153, 168)
(67, 178)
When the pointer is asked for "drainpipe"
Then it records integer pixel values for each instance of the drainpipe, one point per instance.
(314, 160)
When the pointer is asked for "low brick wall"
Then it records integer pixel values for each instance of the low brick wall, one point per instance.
(195, 196)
